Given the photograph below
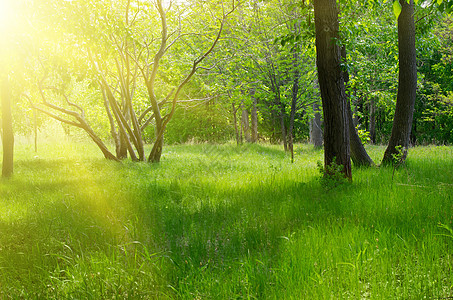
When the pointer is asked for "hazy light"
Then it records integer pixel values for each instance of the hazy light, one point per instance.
(6, 16)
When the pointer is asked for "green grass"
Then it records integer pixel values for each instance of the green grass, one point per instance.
(224, 222)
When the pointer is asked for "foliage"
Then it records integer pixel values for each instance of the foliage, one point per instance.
(363, 135)
(332, 175)
(202, 123)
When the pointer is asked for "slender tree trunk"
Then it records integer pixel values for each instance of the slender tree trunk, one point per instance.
(407, 84)
(283, 128)
(35, 129)
(235, 122)
(316, 127)
(294, 97)
(292, 116)
(254, 118)
(246, 125)
(331, 83)
(156, 152)
(372, 127)
(7, 125)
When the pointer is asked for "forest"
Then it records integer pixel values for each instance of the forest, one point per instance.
(219, 149)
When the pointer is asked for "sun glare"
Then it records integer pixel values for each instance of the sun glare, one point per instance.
(6, 16)
(5, 13)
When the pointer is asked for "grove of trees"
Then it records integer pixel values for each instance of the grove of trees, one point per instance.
(132, 73)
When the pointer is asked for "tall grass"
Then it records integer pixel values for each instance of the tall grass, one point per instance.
(223, 222)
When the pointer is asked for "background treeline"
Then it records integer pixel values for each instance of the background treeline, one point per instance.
(258, 83)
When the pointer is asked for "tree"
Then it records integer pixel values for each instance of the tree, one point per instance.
(7, 128)
(358, 153)
(332, 86)
(126, 62)
(407, 83)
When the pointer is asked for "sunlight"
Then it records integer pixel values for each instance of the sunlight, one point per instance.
(6, 15)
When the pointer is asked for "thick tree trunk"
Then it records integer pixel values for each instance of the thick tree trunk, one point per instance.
(254, 118)
(7, 125)
(316, 127)
(331, 83)
(407, 84)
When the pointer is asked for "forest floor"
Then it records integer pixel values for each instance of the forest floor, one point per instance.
(224, 222)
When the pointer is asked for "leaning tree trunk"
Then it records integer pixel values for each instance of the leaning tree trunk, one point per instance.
(407, 84)
(7, 125)
(331, 83)
(358, 153)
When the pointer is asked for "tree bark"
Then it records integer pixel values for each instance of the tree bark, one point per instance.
(407, 84)
(372, 125)
(283, 127)
(331, 83)
(7, 125)
(358, 153)
(245, 125)
(235, 122)
(315, 127)
(254, 118)
(156, 152)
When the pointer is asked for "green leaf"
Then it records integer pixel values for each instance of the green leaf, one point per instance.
(439, 2)
(396, 8)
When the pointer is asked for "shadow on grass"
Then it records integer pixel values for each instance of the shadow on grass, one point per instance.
(207, 230)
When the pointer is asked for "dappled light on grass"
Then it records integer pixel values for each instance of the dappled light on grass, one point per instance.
(223, 221)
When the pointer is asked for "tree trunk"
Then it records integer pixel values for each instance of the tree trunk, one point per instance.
(358, 153)
(316, 127)
(372, 125)
(35, 129)
(331, 83)
(283, 128)
(246, 125)
(235, 121)
(407, 84)
(121, 146)
(254, 118)
(7, 125)
(156, 152)
(292, 116)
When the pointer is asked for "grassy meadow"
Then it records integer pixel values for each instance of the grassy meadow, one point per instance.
(224, 222)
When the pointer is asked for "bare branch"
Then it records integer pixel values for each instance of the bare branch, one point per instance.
(56, 117)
